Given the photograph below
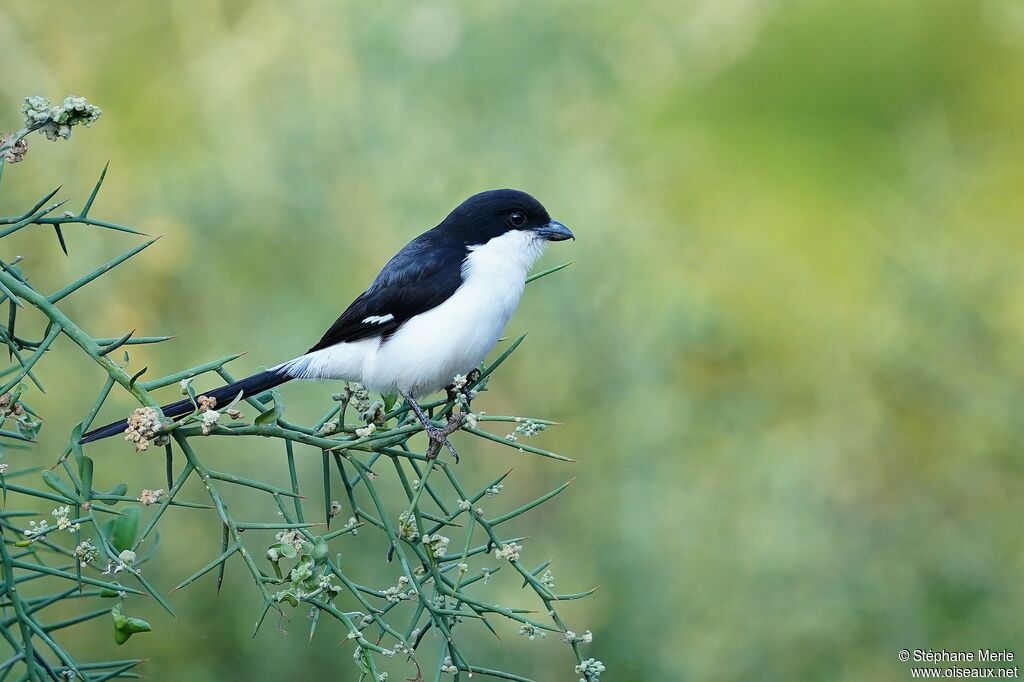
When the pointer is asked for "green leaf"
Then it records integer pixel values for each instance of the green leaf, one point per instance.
(549, 271)
(320, 551)
(363, 661)
(125, 528)
(190, 391)
(29, 427)
(389, 400)
(16, 393)
(118, 490)
(126, 626)
(287, 596)
(57, 483)
(282, 551)
(85, 468)
(110, 348)
(76, 438)
(272, 414)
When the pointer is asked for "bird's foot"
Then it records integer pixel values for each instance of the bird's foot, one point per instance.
(439, 436)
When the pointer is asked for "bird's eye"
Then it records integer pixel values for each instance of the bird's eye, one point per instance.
(517, 218)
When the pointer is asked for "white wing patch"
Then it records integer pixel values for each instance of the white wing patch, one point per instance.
(378, 319)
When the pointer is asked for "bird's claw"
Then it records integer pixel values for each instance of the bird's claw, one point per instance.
(437, 441)
(439, 436)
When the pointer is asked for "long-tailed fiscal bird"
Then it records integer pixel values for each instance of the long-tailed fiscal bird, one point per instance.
(434, 311)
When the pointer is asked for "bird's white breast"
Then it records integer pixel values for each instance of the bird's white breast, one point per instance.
(452, 338)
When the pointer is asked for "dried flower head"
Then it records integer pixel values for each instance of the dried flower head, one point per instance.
(438, 544)
(148, 497)
(10, 407)
(15, 152)
(143, 423)
(398, 592)
(86, 553)
(509, 551)
(531, 632)
(407, 529)
(293, 537)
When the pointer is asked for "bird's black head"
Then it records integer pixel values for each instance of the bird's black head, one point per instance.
(491, 214)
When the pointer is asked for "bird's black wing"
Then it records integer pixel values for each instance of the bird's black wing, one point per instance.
(424, 274)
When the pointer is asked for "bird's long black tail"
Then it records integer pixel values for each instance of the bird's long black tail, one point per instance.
(249, 387)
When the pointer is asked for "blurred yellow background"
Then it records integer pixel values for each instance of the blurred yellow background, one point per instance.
(788, 359)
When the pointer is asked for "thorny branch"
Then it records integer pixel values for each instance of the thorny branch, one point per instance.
(357, 438)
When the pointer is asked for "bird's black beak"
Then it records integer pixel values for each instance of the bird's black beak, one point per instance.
(555, 231)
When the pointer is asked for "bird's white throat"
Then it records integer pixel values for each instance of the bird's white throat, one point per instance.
(514, 253)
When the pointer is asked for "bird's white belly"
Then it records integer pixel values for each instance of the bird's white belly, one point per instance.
(431, 348)
(450, 339)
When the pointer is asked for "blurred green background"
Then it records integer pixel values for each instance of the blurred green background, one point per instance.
(788, 359)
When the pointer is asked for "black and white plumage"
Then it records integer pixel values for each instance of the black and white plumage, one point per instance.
(435, 310)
